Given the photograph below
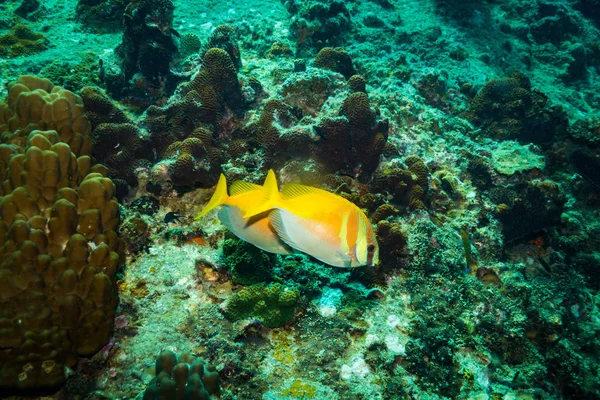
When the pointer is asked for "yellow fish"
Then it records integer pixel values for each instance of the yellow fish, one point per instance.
(244, 196)
(320, 224)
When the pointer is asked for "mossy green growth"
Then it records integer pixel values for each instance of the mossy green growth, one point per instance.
(74, 76)
(273, 305)
(247, 263)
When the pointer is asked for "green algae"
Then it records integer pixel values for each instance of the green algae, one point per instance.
(273, 305)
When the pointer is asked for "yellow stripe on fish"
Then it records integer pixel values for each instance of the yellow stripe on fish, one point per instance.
(244, 196)
(321, 224)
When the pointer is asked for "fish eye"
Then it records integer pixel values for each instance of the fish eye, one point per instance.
(371, 248)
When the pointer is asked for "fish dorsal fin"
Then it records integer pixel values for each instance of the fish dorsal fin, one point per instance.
(270, 196)
(270, 185)
(240, 187)
(293, 190)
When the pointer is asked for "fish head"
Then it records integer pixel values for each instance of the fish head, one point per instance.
(367, 249)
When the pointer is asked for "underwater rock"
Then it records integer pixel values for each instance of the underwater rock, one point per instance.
(528, 208)
(316, 24)
(30, 10)
(146, 51)
(508, 109)
(101, 14)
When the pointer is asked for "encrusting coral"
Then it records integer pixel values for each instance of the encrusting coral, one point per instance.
(60, 251)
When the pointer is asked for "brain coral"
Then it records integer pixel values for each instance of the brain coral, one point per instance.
(22, 41)
(59, 249)
(224, 37)
(335, 59)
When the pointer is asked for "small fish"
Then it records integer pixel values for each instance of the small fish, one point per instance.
(257, 229)
(172, 217)
(320, 224)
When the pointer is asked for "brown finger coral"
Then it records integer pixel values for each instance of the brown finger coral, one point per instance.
(183, 378)
(35, 103)
(59, 252)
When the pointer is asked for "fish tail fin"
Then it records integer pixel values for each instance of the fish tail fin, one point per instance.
(218, 198)
(271, 197)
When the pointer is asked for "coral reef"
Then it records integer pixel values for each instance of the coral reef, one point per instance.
(407, 186)
(74, 76)
(528, 209)
(335, 59)
(356, 139)
(224, 37)
(318, 24)
(189, 44)
(36, 104)
(482, 183)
